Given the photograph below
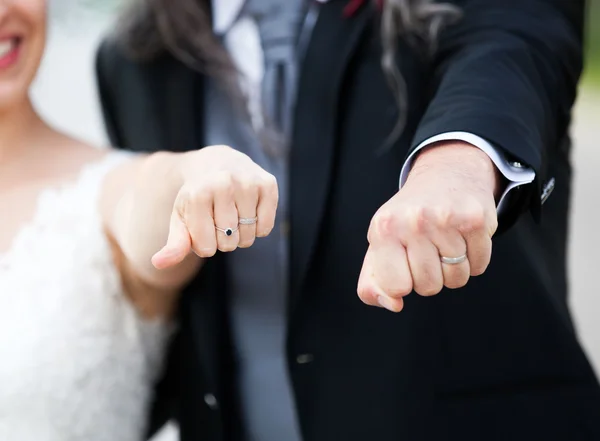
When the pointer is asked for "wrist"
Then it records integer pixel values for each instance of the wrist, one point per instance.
(165, 170)
(462, 159)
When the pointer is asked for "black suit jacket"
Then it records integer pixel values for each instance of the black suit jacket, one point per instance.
(496, 360)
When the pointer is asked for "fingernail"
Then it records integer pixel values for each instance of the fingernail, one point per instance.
(384, 302)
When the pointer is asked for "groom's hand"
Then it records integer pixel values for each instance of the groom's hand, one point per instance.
(445, 209)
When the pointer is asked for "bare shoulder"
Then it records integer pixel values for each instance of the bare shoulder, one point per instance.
(63, 158)
(76, 156)
(73, 159)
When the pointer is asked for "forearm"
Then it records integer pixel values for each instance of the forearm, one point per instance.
(140, 220)
(508, 73)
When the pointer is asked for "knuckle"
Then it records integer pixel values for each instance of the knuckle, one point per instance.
(200, 196)
(473, 219)
(227, 248)
(478, 270)
(371, 233)
(184, 200)
(246, 243)
(242, 156)
(424, 217)
(270, 180)
(181, 205)
(442, 216)
(477, 219)
(453, 284)
(493, 224)
(189, 194)
(456, 282)
(264, 232)
(428, 289)
(366, 293)
(361, 291)
(223, 147)
(230, 152)
(205, 252)
(223, 182)
(246, 186)
(399, 291)
(419, 219)
(269, 184)
(385, 224)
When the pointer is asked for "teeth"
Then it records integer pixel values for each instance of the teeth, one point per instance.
(5, 47)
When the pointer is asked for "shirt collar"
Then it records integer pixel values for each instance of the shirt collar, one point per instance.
(225, 13)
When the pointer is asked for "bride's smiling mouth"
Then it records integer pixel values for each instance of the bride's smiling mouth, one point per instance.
(9, 51)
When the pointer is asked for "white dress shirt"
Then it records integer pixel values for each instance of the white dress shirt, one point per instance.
(241, 38)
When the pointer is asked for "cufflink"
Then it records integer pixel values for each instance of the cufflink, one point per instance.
(547, 190)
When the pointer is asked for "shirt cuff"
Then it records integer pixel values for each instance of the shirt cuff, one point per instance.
(515, 173)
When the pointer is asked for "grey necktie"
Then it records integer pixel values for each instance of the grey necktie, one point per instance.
(279, 23)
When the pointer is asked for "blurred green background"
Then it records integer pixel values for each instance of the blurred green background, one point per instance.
(592, 70)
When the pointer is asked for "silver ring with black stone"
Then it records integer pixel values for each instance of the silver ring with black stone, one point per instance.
(227, 231)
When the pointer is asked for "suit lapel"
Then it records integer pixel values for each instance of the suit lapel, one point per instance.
(181, 103)
(174, 91)
(333, 41)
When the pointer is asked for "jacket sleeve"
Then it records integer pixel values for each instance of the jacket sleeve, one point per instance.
(508, 73)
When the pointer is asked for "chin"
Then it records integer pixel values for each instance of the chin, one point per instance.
(19, 63)
(12, 98)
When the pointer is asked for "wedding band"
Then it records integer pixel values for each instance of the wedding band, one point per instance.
(453, 260)
(248, 220)
(227, 231)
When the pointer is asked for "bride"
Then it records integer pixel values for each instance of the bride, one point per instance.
(94, 247)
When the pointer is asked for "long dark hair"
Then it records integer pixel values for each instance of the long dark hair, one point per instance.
(183, 28)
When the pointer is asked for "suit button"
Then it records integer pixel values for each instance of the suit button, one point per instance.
(304, 358)
(211, 401)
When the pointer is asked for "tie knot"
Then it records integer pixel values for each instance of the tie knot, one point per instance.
(279, 23)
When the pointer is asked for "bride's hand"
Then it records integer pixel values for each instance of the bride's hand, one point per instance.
(225, 201)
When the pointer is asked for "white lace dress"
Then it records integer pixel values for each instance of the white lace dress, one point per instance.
(76, 361)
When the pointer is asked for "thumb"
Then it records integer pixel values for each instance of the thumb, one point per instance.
(179, 245)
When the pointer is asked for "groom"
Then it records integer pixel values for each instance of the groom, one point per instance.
(273, 344)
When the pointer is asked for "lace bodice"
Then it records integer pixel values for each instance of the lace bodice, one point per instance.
(76, 361)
